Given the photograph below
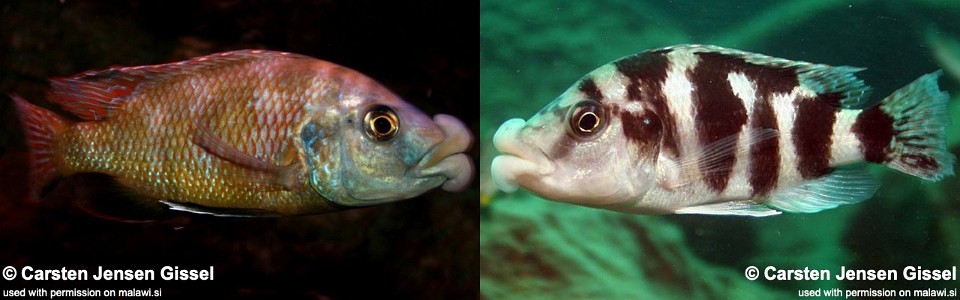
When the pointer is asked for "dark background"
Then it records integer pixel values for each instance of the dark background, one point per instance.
(422, 248)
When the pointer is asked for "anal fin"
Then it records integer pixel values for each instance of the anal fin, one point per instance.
(105, 197)
(845, 185)
(731, 208)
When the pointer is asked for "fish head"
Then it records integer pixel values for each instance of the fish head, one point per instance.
(388, 150)
(579, 149)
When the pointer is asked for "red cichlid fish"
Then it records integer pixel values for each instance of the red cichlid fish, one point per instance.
(244, 133)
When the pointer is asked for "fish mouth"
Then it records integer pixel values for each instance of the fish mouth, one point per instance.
(446, 159)
(518, 160)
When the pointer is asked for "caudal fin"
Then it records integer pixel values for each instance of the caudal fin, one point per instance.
(906, 131)
(40, 129)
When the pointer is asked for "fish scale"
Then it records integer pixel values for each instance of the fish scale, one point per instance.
(127, 130)
(222, 135)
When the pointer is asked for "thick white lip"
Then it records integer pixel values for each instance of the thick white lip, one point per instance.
(447, 158)
(518, 158)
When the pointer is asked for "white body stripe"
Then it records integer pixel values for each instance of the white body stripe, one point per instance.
(845, 146)
(611, 83)
(786, 112)
(739, 185)
(745, 89)
(678, 91)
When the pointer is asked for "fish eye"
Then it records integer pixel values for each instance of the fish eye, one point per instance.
(381, 123)
(586, 119)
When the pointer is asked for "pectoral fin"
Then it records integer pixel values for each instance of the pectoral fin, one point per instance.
(286, 175)
(842, 186)
(689, 168)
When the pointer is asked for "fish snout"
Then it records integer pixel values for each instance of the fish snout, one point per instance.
(518, 158)
(446, 158)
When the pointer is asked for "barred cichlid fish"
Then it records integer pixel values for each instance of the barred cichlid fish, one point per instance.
(244, 133)
(694, 129)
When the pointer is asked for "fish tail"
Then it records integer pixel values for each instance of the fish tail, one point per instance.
(907, 130)
(40, 129)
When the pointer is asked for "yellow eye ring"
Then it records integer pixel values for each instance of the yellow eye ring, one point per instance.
(587, 119)
(381, 123)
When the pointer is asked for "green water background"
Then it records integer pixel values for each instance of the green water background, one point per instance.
(531, 51)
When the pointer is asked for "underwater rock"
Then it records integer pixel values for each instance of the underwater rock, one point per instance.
(534, 248)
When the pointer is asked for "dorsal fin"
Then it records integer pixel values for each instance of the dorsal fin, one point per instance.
(92, 95)
(846, 88)
(849, 91)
